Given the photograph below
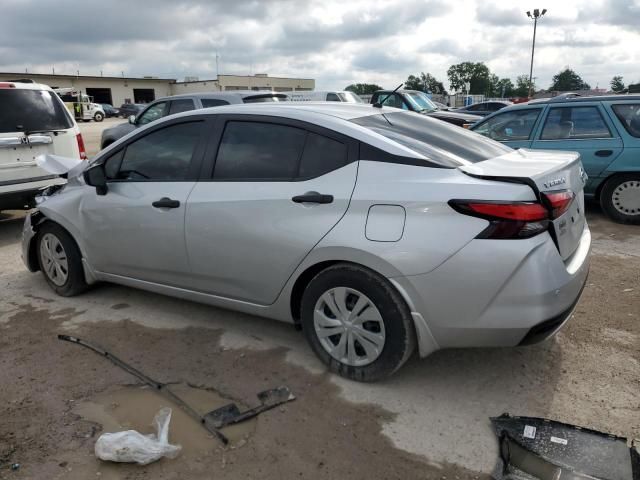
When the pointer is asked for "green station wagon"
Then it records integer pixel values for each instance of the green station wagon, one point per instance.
(605, 130)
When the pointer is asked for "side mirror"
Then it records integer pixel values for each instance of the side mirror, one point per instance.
(132, 119)
(96, 177)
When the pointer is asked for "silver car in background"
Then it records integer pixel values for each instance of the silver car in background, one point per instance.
(378, 231)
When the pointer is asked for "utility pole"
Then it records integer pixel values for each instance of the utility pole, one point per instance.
(536, 15)
(217, 71)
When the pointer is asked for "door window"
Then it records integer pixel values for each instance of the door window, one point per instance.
(162, 155)
(154, 112)
(182, 105)
(515, 125)
(568, 123)
(332, 97)
(259, 151)
(212, 102)
(629, 116)
(321, 155)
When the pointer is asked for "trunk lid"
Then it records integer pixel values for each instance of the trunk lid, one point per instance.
(545, 171)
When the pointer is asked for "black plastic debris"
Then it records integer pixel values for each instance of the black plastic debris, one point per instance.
(540, 449)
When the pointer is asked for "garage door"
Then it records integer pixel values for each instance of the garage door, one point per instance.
(143, 95)
(100, 95)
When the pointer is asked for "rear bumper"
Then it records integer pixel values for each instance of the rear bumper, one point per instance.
(497, 293)
(20, 194)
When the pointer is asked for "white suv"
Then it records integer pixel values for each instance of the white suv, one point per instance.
(33, 121)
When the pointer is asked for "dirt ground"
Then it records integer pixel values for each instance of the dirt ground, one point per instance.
(431, 420)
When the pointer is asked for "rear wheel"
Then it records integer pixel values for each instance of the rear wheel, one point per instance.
(357, 323)
(98, 117)
(60, 260)
(620, 198)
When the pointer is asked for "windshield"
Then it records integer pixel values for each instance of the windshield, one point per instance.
(420, 102)
(31, 110)
(349, 97)
(440, 142)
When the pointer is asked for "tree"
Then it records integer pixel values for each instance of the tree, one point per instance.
(505, 88)
(476, 74)
(363, 88)
(617, 85)
(568, 81)
(425, 82)
(522, 86)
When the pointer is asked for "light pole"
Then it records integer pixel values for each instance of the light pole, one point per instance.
(536, 15)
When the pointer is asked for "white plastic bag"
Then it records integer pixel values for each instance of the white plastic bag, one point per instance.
(131, 446)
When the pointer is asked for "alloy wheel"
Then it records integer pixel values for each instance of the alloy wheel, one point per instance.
(54, 259)
(349, 326)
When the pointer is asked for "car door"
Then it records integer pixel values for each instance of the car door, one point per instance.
(137, 228)
(276, 188)
(583, 127)
(512, 127)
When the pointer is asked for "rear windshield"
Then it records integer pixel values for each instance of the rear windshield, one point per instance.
(438, 141)
(264, 98)
(32, 111)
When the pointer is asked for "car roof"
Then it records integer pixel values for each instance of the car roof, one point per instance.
(565, 99)
(26, 85)
(228, 94)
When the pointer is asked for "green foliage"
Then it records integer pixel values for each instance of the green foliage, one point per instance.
(476, 74)
(363, 88)
(425, 82)
(617, 85)
(505, 88)
(568, 81)
(522, 86)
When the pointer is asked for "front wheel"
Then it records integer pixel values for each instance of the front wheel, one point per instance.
(357, 323)
(60, 260)
(98, 117)
(620, 198)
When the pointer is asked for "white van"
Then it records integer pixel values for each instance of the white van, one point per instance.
(33, 121)
(344, 96)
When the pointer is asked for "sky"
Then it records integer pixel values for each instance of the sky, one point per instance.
(335, 42)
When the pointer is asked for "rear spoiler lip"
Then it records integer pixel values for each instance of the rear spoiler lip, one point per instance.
(521, 180)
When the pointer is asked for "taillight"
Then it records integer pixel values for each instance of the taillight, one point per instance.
(507, 220)
(83, 152)
(559, 202)
(7, 85)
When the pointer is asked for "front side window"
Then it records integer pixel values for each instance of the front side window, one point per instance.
(420, 102)
(350, 97)
(392, 100)
(212, 102)
(182, 105)
(154, 112)
(162, 155)
(332, 97)
(570, 123)
(629, 116)
(514, 125)
(259, 151)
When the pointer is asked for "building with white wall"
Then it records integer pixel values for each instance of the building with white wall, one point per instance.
(119, 90)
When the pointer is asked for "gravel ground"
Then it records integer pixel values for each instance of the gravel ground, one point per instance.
(428, 421)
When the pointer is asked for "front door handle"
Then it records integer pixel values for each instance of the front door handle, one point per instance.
(313, 197)
(604, 153)
(166, 202)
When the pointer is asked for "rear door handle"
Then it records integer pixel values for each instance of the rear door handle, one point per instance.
(166, 202)
(313, 197)
(604, 153)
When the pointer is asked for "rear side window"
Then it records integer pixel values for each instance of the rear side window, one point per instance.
(332, 97)
(566, 123)
(212, 102)
(163, 155)
(182, 105)
(259, 151)
(32, 110)
(439, 142)
(321, 155)
(514, 125)
(629, 116)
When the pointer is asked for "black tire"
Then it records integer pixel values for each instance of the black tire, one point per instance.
(75, 281)
(98, 117)
(399, 341)
(610, 198)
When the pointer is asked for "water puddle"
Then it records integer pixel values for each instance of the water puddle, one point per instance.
(133, 408)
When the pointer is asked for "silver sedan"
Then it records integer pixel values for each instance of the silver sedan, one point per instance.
(379, 232)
